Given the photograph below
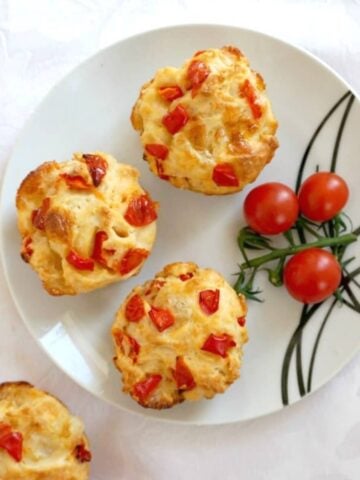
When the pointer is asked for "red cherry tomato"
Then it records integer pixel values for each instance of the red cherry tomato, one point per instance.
(141, 211)
(134, 309)
(183, 376)
(161, 318)
(157, 150)
(209, 301)
(170, 93)
(132, 259)
(82, 454)
(312, 275)
(224, 175)
(176, 119)
(80, 263)
(143, 389)
(218, 344)
(271, 208)
(322, 196)
(97, 167)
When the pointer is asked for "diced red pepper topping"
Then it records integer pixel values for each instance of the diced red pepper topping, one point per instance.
(38, 216)
(241, 321)
(197, 73)
(218, 344)
(80, 263)
(224, 175)
(142, 390)
(157, 150)
(247, 90)
(97, 254)
(76, 182)
(160, 170)
(185, 276)
(170, 93)
(209, 301)
(176, 119)
(134, 309)
(82, 454)
(141, 211)
(11, 441)
(161, 318)
(183, 376)
(132, 259)
(97, 167)
(128, 344)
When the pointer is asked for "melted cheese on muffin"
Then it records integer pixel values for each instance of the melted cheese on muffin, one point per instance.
(180, 336)
(39, 438)
(207, 126)
(85, 223)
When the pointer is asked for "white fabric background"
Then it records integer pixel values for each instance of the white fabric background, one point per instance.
(317, 439)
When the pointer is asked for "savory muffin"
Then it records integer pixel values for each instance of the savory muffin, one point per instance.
(39, 438)
(85, 223)
(179, 336)
(207, 126)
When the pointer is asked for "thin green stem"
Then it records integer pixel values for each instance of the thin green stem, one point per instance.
(283, 252)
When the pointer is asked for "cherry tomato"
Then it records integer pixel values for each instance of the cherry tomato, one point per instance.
(218, 344)
(209, 301)
(82, 454)
(322, 196)
(143, 389)
(182, 375)
(224, 175)
(271, 208)
(141, 211)
(312, 275)
(161, 318)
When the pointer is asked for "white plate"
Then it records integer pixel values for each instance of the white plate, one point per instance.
(89, 110)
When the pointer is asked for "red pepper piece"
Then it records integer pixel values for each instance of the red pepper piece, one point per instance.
(82, 454)
(161, 318)
(218, 344)
(134, 309)
(142, 390)
(100, 238)
(224, 175)
(197, 73)
(176, 119)
(160, 170)
(183, 376)
(80, 263)
(185, 276)
(209, 301)
(75, 182)
(97, 167)
(141, 211)
(38, 216)
(171, 93)
(132, 259)
(157, 150)
(11, 442)
(247, 90)
(241, 321)
(155, 285)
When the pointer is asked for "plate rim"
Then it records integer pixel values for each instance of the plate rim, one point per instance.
(6, 173)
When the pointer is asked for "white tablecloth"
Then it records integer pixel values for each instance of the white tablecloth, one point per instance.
(318, 438)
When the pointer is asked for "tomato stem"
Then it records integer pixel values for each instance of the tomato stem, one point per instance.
(284, 252)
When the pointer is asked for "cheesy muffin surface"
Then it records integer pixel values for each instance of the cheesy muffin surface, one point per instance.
(85, 223)
(179, 336)
(39, 438)
(207, 126)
